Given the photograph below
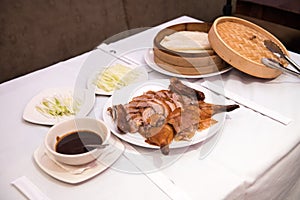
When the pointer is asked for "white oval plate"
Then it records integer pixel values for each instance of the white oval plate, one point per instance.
(85, 97)
(150, 61)
(125, 94)
(140, 70)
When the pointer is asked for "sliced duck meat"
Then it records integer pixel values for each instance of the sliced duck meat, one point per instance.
(120, 118)
(166, 115)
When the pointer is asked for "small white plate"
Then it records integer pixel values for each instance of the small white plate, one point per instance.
(141, 71)
(150, 61)
(125, 94)
(86, 98)
(56, 171)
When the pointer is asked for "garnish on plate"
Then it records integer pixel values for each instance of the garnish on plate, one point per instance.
(58, 106)
(115, 77)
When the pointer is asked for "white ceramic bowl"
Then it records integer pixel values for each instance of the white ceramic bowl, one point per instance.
(77, 124)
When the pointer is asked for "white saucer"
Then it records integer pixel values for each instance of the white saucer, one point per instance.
(49, 166)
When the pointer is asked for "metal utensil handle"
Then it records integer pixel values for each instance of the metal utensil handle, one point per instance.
(295, 65)
(97, 146)
(284, 69)
(275, 65)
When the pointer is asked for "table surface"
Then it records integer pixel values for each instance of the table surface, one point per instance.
(245, 160)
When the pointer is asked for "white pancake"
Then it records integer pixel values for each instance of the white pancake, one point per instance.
(187, 41)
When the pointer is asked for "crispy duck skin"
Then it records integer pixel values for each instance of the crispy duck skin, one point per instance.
(163, 138)
(167, 115)
(207, 110)
(178, 87)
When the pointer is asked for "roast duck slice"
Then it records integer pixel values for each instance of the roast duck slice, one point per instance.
(166, 115)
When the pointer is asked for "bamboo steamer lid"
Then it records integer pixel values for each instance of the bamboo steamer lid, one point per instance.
(186, 63)
(241, 44)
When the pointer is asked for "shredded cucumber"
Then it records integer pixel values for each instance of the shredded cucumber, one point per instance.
(115, 77)
(58, 106)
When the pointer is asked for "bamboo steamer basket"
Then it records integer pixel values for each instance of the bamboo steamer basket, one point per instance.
(186, 63)
(241, 44)
(195, 70)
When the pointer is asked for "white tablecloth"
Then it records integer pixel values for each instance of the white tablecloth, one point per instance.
(254, 157)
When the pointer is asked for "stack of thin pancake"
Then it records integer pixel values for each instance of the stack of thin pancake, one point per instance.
(185, 49)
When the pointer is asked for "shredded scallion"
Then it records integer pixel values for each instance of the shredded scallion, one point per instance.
(58, 106)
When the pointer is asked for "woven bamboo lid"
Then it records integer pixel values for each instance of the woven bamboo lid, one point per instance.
(241, 44)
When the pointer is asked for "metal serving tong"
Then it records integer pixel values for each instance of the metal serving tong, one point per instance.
(276, 65)
(276, 50)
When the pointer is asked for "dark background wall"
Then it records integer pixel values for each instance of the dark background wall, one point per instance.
(37, 33)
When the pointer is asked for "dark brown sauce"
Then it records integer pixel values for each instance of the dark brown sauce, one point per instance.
(74, 142)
